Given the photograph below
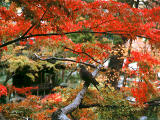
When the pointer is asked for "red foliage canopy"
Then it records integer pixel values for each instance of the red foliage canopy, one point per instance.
(44, 18)
(54, 19)
(3, 91)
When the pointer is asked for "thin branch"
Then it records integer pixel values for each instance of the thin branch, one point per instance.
(83, 53)
(28, 30)
(63, 59)
(96, 105)
(33, 25)
(39, 20)
(12, 41)
(150, 103)
(66, 80)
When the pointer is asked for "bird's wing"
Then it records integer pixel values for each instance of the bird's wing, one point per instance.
(87, 76)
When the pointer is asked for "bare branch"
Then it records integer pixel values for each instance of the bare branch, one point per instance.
(64, 59)
(83, 53)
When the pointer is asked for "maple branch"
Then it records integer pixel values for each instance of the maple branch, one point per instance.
(23, 36)
(42, 16)
(35, 35)
(83, 53)
(12, 41)
(34, 24)
(50, 34)
(28, 30)
(154, 102)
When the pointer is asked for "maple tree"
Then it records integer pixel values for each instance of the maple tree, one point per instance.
(53, 23)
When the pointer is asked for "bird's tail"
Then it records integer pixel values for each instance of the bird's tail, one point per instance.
(95, 82)
(96, 87)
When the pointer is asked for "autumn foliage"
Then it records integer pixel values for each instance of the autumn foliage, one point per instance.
(51, 24)
(67, 17)
(24, 90)
(3, 91)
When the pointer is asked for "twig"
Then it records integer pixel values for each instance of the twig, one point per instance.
(83, 53)
(70, 74)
